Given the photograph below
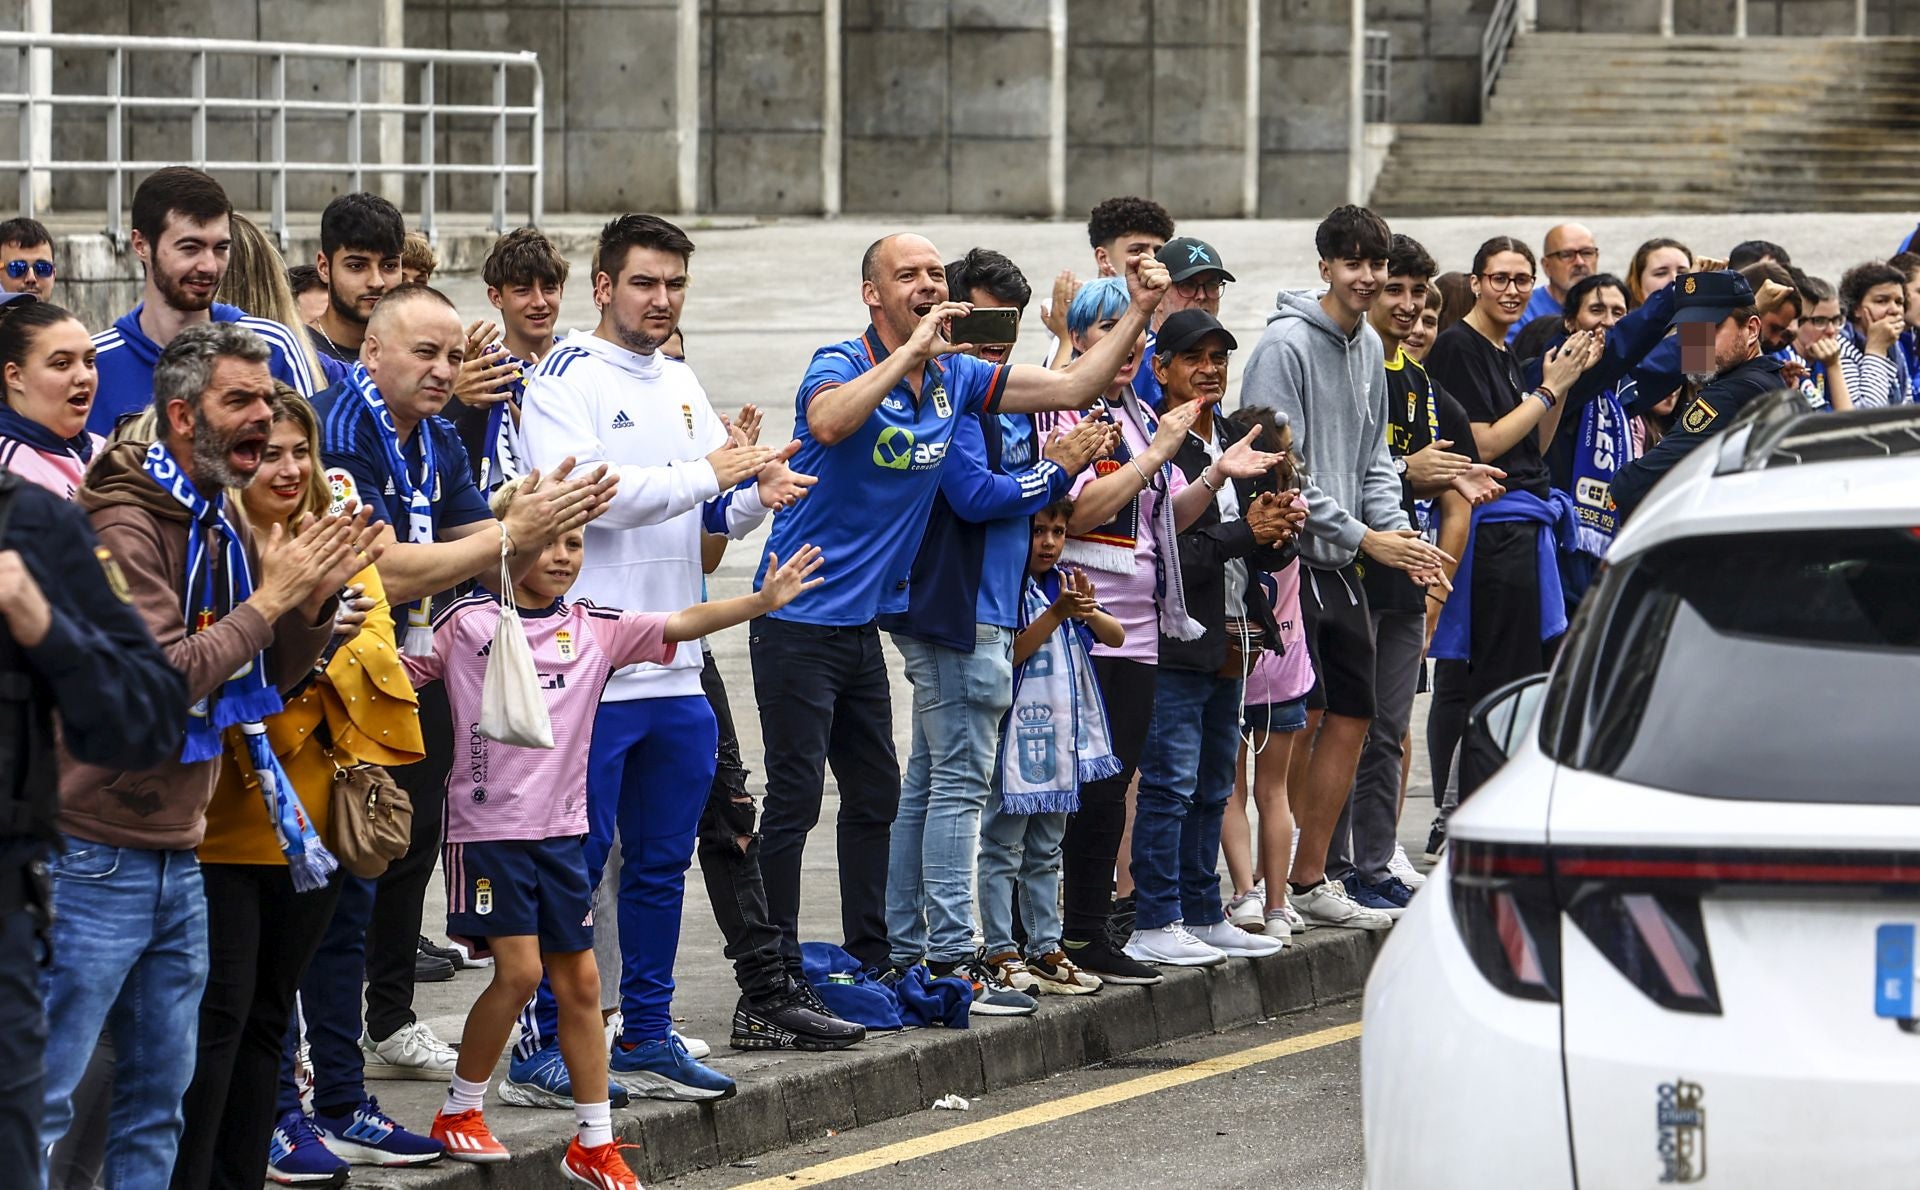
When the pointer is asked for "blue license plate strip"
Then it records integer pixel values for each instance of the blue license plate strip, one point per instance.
(1893, 952)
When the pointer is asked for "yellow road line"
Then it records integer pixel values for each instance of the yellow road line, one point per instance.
(1059, 1109)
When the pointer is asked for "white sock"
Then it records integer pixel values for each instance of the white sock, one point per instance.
(466, 1096)
(596, 1123)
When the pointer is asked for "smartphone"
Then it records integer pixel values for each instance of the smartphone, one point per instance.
(998, 324)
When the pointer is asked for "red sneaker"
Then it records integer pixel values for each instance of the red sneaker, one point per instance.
(601, 1167)
(467, 1138)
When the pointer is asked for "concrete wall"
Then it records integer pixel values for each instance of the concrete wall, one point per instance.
(1765, 18)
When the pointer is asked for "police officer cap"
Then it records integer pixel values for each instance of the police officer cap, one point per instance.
(1709, 297)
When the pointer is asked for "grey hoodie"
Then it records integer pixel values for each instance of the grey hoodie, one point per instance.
(1333, 388)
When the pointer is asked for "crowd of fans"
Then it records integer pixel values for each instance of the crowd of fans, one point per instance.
(267, 542)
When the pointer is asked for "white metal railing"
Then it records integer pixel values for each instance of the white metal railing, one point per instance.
(276, 106)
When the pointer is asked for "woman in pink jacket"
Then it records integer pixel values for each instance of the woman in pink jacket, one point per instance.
(48, 378)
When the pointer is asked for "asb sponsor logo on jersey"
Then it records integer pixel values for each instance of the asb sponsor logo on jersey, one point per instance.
(896, 449)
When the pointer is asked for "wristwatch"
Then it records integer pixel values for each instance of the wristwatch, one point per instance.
(1400, 466)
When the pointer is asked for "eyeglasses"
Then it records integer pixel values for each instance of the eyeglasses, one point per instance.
(1502, 282)
(18, 268)
(1587, 254)
(1200, 287)
(1822, 324)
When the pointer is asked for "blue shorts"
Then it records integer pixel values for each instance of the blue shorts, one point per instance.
(1277, 716)
(521, 887)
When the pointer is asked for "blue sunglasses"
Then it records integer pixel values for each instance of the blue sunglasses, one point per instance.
(18, 268)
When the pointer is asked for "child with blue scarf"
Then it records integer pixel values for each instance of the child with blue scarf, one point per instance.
(1053, 739)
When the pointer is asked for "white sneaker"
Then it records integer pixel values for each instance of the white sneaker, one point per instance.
(412, 1052)
(1403, 868)
(1286, 921)
(1172, 946)
(1246, 911)
(1327, 904)
(1278, 928)
(1235, 942)
(696, 1048)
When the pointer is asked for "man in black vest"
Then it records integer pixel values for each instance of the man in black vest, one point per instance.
(70, 645)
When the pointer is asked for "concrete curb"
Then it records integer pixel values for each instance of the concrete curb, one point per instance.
(803, 1096)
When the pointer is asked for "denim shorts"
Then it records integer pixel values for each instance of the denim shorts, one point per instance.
(1276, 716)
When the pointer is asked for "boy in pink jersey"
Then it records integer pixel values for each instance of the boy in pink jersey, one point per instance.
(517, 818)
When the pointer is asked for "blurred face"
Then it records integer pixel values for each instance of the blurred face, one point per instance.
(1197, 374)
(357, 278)
(909, 280)
(1571, 254)
(1049, 538)
(1503, 286)
(312, 304)
(1420, 339)
(413, 276)
(1911, 291)
(187, 264)
(552, 576)
(286, 470)
(27, 270)
(1396, 312)
(1354, 282)
(1818, 323)
(1199, 292)
(413, 354)
(993, 353)
(1878, 303)
(528, 308)
(1084, 341)
(1111, 257)
(1600, 309)
(1663, 265)
(226, 438)
(1779, 327)
(641, 303)
(56, 383)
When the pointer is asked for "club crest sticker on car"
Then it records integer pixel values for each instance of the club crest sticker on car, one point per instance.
(1681, 1124)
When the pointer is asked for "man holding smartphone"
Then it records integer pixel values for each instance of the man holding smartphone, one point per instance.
(875, 417)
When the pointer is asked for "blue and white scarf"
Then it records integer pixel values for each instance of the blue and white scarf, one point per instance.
(1054, 738)
(246, 698)
(494, 470)
(418, 495)
(1603, 446)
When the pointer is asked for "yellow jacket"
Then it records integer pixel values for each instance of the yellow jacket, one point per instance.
(371, 713)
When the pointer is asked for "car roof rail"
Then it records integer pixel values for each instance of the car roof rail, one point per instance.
(1751, 437)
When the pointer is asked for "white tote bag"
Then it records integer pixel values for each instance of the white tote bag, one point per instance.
(512, 708)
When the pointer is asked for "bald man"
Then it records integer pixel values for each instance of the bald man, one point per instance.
(1568, 254)
(874, 416)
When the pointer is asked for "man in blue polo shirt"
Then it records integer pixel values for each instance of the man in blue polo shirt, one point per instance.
(181, 236)
(875, 416)
(384, 443)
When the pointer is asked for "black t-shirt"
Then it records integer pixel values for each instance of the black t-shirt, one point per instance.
(327, 347)
(1416, 408)
(1485, 378)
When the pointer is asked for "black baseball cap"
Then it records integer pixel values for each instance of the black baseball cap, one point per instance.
(1709, 297)
(1184, 328)
(1186, 257)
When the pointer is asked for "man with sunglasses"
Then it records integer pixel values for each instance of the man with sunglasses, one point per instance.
(26, 258)
(1199, 278)
(1568, 254)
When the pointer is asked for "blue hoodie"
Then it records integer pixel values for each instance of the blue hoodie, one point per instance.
(125, 357)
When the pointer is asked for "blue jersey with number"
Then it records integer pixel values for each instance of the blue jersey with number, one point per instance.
(869, 509)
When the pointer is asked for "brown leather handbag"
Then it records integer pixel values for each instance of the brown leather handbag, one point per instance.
(372, 820)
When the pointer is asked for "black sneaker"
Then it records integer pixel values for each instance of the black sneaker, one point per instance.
(1437, 838)
(810, 1000)
(1120, 924)
(430, 968)
(1105, 960)
(788, 1023)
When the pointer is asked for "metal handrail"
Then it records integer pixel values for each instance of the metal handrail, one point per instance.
(1502, 24)
(276, 106)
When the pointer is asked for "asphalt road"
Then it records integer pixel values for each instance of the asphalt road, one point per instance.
(1253, 1115)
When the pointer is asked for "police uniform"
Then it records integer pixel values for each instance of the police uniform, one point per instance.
(1711, 298)
(119, 703)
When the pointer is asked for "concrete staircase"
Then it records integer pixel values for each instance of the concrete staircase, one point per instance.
(1621, 124)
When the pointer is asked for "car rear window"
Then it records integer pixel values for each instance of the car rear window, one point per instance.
(1772, 667)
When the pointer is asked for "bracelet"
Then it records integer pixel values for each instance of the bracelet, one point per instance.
(1146, 481)
(1546, 396)
(1211, 487)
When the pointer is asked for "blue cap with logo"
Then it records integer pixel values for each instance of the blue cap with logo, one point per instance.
(1709, 297)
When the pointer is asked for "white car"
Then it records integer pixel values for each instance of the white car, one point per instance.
(1672, 940)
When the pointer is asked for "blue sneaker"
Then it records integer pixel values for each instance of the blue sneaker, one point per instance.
(1368, 896)
(296, 1157)
(542, 1081)
(371, 1137)
(664, 1070)
(1395, 892)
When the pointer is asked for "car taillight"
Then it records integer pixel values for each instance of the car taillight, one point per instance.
(1656, 939)
(1504, 907)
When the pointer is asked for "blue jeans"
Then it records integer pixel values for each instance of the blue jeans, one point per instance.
(1186, 777)
(1020, 862)
(958, 702)
(649, 768)
(129, 954)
